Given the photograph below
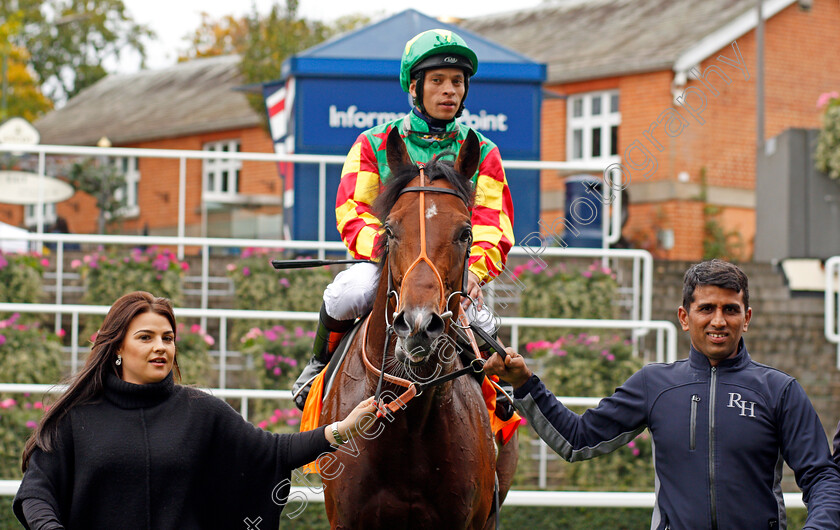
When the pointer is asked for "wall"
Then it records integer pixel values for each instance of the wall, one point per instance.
(801, 50)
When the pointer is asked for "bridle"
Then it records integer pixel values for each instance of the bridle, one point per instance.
(415, 388)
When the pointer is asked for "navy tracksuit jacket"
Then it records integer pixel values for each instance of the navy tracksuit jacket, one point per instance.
(720, 435)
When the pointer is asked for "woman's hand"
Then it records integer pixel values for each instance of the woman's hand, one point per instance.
(349, 426)
(511, 368)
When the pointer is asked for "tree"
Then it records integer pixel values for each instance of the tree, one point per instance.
(263, 41)
(100, 180)
(216, 37)
(20, 93)
(70, 41)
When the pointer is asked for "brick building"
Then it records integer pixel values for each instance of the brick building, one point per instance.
(624, 73)
(191, 106)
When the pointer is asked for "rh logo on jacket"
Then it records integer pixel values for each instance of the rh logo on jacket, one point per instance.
(736, 401)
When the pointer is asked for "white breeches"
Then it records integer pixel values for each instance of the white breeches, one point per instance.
(352, 291)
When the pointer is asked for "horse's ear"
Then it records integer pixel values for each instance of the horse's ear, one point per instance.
(468, 156)
(396, 151)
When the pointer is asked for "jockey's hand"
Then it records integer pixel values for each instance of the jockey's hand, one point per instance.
(474, 290)
(511, 368)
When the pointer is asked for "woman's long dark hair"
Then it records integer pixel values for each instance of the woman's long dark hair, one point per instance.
(86, 386)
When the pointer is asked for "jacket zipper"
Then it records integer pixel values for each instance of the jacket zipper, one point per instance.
(695, 399)
(712, 392)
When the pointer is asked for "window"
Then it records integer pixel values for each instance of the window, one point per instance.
(592, 126)
(129, 168)
(220, 175)
(30, 211)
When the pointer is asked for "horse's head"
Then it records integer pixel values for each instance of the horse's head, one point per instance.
(427, 236)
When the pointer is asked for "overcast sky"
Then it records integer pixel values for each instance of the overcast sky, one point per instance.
(174, 19)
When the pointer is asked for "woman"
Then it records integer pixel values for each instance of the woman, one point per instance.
(126, 447)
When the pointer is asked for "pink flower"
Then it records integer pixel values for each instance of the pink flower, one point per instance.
(185, 266)
(209, 340)
(230, 267)
(38, 405)
(45, 262)
(262, 425)
(270, 335)
(7, 403)
(586, 274)
(2, 340)
(825, 98)
(278, 371)
(610, 357)
(284, 282)
(195, 328)
(636, 452)
(246, 271)
(61, 333)
(31, 424)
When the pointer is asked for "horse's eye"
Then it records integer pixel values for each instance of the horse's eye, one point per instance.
(389, 232)
(466, 235)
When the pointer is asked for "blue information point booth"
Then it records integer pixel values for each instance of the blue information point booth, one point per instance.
(330, 93)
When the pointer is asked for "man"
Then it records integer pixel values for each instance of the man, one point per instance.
(435, 70)
(721, 423)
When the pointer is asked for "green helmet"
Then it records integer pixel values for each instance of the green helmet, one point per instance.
(436, 48)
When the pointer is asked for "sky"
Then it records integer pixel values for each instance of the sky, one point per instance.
(174, 19)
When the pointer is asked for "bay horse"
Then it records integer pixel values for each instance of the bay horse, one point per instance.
(432, 463)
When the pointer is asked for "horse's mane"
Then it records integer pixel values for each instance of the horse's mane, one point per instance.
(437, 168)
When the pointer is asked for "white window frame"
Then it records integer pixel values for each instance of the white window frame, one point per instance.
(30, 217)
(215, 171)
(130, 169)
(588, 122)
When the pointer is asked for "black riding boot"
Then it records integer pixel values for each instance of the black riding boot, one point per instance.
(327, 336)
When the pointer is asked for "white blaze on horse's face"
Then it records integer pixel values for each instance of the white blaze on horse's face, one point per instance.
(431, 211)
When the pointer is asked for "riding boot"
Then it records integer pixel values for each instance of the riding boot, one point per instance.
(327, 336)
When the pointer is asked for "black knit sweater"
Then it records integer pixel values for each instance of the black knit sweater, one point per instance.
(163, 456)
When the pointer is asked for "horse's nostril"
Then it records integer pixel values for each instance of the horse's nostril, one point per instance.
(434, 326)
(401, 327)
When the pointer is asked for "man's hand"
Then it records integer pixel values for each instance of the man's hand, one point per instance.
(511, 369)
(474, 290)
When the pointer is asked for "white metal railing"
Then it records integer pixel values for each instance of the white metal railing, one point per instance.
(611, 222)
(641, 282)
(596, 499)
(612, 499)
(832, 313)
(666, 332)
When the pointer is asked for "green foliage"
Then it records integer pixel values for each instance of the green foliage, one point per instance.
(827, 155)
(100, 180)
(109, 275)
(21, 276)
(559, 291)
(28, 354)
(194, 360)
(257, 285)
(276, 353)
(272, 38)
(70, 41)
(717, 242)
(592, 365)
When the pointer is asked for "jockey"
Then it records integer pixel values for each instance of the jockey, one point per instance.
(435, 70)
